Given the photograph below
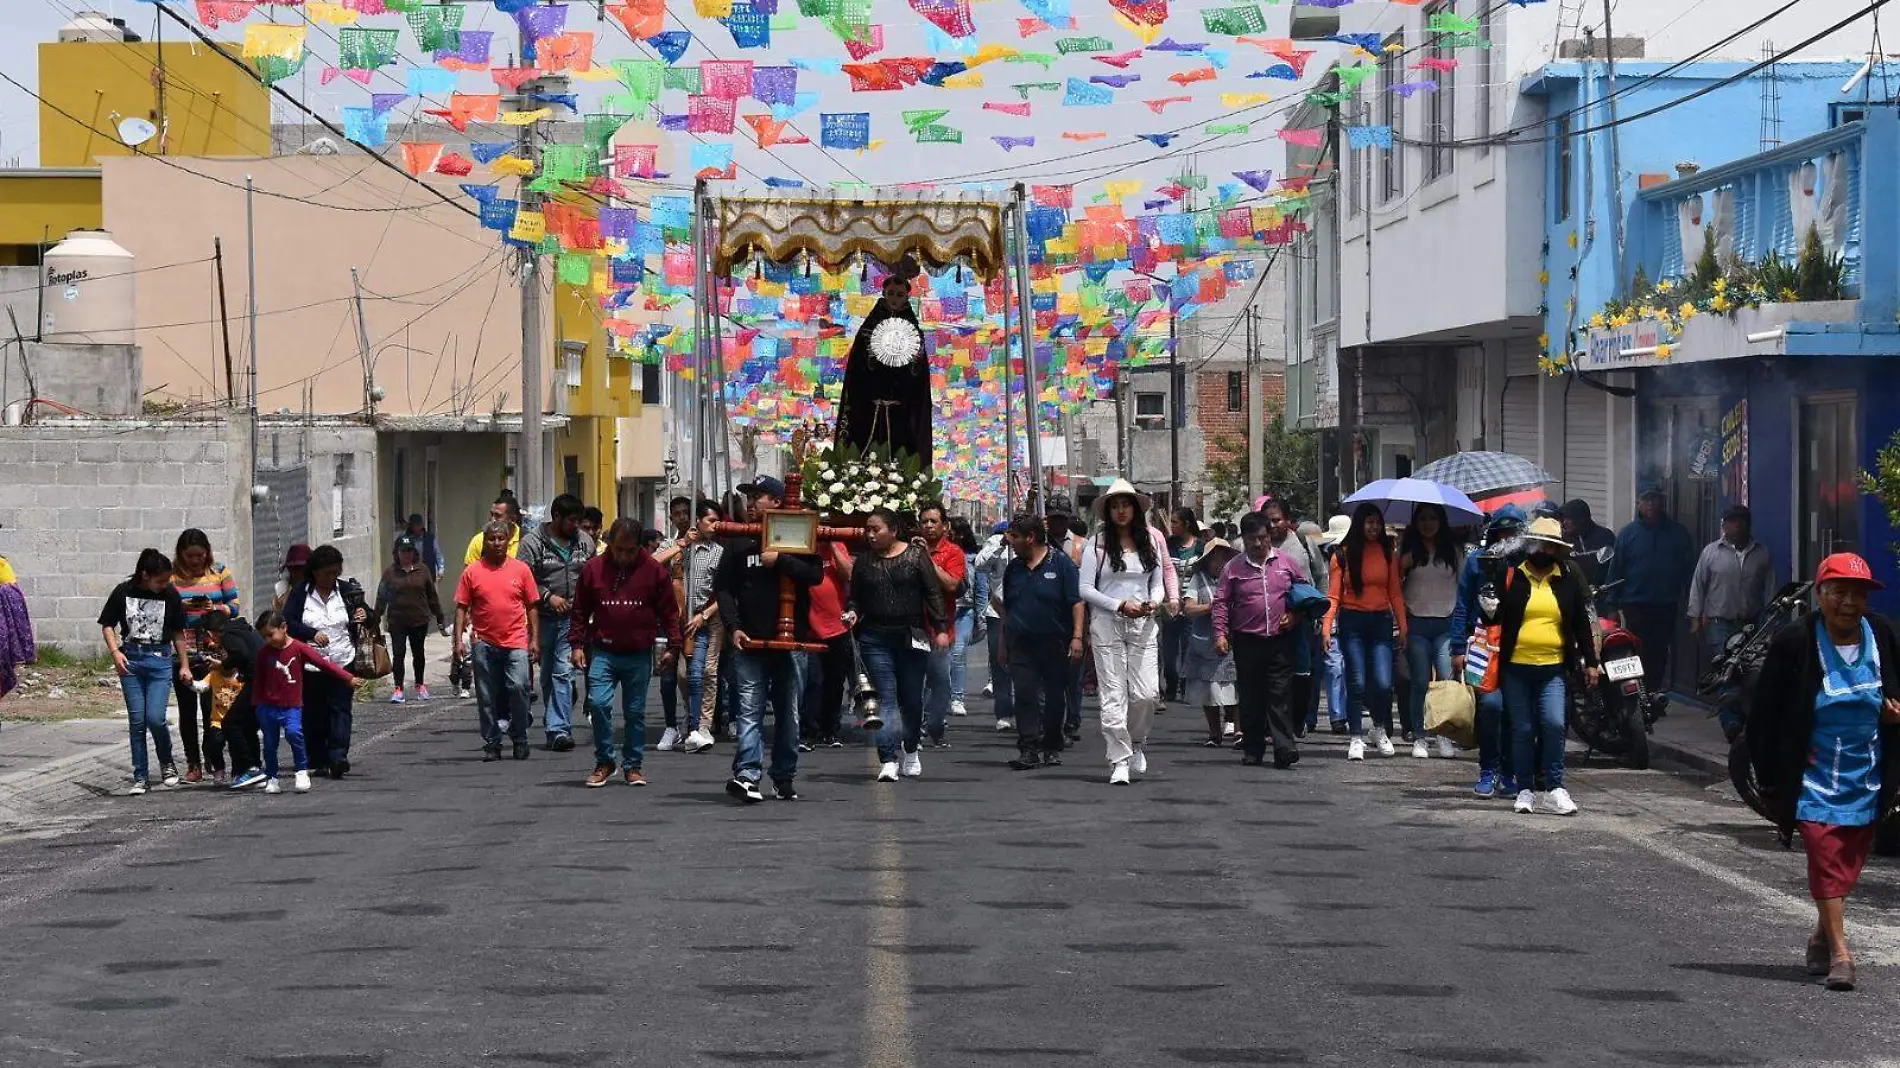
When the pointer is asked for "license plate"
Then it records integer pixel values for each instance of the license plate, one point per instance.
(1630, 667)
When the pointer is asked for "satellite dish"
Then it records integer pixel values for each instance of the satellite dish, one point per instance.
(135, 131)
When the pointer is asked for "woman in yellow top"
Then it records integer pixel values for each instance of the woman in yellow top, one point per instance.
(1544, 634)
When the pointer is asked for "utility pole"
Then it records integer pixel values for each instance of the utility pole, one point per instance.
(250, 245)
(224, 323)
(1616, 159)
(1174, 401)
(362, 345)
(1256, 412)
(530, 444)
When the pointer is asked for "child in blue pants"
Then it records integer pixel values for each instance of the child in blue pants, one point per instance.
(277, 682)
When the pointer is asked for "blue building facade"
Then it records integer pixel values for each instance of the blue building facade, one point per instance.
(1742, 396)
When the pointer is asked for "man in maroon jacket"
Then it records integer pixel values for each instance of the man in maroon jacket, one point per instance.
(623, 607)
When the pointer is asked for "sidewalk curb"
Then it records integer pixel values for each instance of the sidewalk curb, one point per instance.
(1680, 758)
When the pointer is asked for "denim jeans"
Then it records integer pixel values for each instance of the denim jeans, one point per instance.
(557, 676)
(631, 672)
(699, 677)
(147, 686)
(1534, 697)
(960, 652)
(1428, 650)
(1000, 682)
(1366, 640)
(756, 675)
(897, 669)
(1728, 703)
(276, 720)
(1494, 735)
(937, 691)
(501, 691)
(1335, 673)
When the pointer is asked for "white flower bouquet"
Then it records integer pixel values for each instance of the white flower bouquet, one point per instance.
(841, 481)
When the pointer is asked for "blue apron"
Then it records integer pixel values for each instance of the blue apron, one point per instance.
(1842, 782)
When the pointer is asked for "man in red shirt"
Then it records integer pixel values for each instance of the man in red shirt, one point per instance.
(934, 527)
(497, 594)
(623, 608)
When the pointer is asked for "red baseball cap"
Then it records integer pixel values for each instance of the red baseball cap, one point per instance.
(1847, 566)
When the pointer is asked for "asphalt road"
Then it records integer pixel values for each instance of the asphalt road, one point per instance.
(436, 910)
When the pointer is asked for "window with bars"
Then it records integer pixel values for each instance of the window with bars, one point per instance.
(1441, 107)
(1236, 393)
(1392, 114)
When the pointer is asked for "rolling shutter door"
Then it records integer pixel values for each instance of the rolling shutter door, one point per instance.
(1521, 430)
(1587, 447)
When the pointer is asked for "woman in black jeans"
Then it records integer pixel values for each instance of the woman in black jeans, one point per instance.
(407, 598)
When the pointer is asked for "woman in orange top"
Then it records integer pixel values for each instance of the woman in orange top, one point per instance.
(1368, 595)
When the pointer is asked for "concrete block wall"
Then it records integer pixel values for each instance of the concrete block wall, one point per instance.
(80, 500)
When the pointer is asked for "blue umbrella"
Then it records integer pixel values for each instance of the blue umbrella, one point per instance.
(1396, 497)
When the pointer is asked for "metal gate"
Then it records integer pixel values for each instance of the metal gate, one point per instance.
(1587, 446)
(279, 521)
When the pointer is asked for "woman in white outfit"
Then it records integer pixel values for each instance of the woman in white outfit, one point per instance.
(1124, 582)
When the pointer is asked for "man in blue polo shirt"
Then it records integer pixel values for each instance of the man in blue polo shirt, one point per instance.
(1041, 607)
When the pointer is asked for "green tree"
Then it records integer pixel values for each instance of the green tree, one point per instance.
(1291, 471)
(1883, 482)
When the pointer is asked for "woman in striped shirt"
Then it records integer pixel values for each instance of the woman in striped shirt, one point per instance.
(210, 594)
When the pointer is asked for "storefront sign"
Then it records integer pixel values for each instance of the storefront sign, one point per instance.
(1703, 452)
(1735, 454)
(1605, 349)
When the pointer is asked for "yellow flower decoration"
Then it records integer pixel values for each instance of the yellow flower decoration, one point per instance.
(1720, 303)
(1619, 320)
(1665, 286)
(1543, 341)
(1543, 278)
(1686, 311)
(1596, 321)
(1663, 351)
(1572, 239)
(1721, 286)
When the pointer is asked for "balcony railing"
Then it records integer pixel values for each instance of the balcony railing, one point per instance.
(1760, 205)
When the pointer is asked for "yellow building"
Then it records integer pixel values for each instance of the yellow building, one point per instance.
(97, 76)
(598, 390)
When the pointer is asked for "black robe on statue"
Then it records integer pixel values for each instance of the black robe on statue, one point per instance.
(904, 424)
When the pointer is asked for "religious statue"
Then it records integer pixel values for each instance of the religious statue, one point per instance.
(885, 405)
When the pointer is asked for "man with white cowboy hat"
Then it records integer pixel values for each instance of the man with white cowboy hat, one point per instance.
(1125, 572)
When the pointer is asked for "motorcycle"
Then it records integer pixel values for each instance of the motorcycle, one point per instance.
(1737, 666)
(1616, 716)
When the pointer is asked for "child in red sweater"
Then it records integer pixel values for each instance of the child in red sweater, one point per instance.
(277, 682)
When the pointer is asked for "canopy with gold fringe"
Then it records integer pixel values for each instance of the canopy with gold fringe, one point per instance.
(938, 229)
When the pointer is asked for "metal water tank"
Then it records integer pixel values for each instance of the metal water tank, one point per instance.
(91, 291)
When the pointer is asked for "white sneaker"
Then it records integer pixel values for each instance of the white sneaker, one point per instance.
(1446, 750)
(1421, 750)
(913, 765)
(1526, 802)
(698, 742)
(1118, 776)
(887, 772)
(1228, 730)
(989, 689)
(1558, 801)
(1382, 742)
(1005, 725)
(272, 787)
(464, 693)
(957, 709)
(1356, 749)
(1138, 763)
(669, 740)
(301, 783)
